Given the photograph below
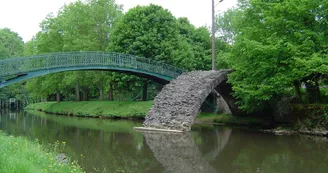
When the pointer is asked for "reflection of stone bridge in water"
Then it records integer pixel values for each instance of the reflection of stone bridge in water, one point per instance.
(175, 107)
(174, 153)
(178, 152)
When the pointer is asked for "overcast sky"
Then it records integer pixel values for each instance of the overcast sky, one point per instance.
(24, 16)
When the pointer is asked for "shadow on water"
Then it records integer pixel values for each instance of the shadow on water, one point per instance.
(112, 146)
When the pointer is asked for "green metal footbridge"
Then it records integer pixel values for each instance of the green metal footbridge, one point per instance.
(14, 70)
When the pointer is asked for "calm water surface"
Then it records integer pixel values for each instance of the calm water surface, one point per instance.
(112, 146)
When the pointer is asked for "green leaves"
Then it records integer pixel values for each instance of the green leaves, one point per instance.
(11, 44)
(274, 44)
(154, 35)
(4, 52)
(79, 26)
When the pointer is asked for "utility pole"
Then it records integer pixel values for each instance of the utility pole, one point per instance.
(213, 33)
(213, 36)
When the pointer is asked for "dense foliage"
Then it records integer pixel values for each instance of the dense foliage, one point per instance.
(11, 45)
(79, 26)
(276, 46)
(100, 25)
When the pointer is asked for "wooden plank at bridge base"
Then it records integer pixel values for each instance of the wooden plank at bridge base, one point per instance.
(156, 130)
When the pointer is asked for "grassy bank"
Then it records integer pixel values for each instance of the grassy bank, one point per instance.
(18, 154)
(115, 109)
(93, 124)
(106, 109)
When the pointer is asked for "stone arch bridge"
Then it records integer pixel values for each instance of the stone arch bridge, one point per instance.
(177, 105)
(174, 108)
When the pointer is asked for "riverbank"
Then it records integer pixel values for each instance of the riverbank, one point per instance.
(265, 125)
(96, 109)
(138, 110)
(18, 154)
(125, 110)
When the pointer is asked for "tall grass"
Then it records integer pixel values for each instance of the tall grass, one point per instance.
(19, 155)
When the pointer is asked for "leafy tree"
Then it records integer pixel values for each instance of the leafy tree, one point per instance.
(278, 45)
(11, 44)
(228, 24)
(4, 53)
(199, 42)
(79, 26)
(30, 47)
(87, 26)
(154, 35)
(159, 36)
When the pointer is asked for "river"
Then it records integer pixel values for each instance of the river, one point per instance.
(113, 146)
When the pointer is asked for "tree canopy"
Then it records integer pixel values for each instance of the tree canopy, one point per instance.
(276, 46)
(100, 25)
(147, 31)
(11, 44)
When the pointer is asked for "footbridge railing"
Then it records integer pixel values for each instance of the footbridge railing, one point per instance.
(81, 60)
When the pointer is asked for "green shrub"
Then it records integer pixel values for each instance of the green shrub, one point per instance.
(310, 116)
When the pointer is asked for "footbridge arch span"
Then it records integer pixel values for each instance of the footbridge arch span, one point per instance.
(14, 70)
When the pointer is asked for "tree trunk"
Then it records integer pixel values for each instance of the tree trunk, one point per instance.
(44, 99)
(110, 92)
(85, 94)
(318, 91)
(77, 91)
(101, 92)
(313, 90)
(297, 86)
(144, 91)
(57, 95)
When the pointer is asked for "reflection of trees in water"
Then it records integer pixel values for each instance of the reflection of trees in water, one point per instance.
(249, 152)
(103, 151)
(110, 151)
(216, 150)
(177, 152)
